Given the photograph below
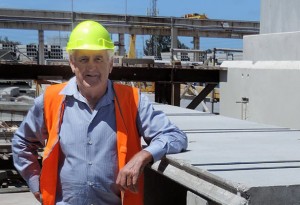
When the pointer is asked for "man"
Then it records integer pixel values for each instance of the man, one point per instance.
(90, 129)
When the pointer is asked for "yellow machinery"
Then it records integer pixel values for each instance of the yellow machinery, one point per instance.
(195, 16)
(143, 86)
(131, 52)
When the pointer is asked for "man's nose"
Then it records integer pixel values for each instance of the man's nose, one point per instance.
(91, 65)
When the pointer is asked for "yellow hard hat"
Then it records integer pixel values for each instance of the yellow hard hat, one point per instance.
(90, 35)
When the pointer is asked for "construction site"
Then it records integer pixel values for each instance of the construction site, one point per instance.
(238, 107)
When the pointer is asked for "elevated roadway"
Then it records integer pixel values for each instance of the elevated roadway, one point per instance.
(42, 20)
(127, 24)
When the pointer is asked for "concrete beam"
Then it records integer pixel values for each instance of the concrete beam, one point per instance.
(193, 199)
(139, 25)
(180, 173)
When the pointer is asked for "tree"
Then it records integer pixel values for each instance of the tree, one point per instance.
(5, 40)
(157, 44)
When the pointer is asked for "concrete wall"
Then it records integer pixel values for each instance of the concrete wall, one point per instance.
(269, 76)
(279, 16)
(280, 195)
(280, 33)
(271, 87)
(270, 47)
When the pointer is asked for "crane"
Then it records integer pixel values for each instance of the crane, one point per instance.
(195, 16)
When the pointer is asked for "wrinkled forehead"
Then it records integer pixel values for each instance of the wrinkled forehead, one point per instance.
(106, 54)
(82, 52)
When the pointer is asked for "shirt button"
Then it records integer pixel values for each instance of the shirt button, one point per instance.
(91, 183)
(90, 143)
(90, 163)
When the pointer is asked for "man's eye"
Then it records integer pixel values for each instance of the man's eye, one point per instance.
(99, 59)
(83, 60)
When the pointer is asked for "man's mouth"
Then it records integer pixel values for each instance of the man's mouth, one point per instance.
(91, 75)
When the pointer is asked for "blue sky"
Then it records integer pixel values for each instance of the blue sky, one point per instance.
(214, 9)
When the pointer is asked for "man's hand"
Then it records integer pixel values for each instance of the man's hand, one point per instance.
(37, 195)
(128, 176)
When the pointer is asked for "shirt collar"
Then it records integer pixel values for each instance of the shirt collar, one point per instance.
(71, 90)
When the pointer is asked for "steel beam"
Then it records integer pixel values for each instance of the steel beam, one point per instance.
(120, 73)
(201, 96)
(168, 79)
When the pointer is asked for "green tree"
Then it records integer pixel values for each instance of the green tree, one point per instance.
(5, 40)
(157, 44)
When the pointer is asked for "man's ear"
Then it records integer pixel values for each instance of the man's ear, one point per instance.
(111, 65)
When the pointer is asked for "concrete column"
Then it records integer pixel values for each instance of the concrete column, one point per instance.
(174, 36)
(41, 48)
(196, 40)
(121, 44)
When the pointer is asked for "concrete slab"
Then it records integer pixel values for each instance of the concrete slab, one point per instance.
(15, 106)
(175, 111)
(263, 159)
(25, 198)
(255, 159)
(215, 123)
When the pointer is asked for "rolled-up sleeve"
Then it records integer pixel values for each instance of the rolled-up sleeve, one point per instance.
(26, 141)
(162, 136)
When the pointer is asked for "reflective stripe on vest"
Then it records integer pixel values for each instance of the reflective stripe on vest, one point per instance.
(128, 139)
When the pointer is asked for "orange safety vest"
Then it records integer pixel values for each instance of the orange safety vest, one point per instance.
(128, 139)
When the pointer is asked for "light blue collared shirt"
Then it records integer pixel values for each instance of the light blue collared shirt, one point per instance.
(88, 164)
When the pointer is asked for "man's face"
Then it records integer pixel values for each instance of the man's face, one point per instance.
(91, 68)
